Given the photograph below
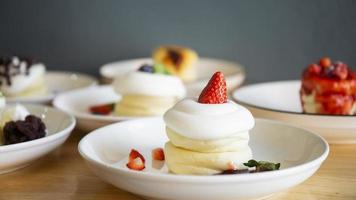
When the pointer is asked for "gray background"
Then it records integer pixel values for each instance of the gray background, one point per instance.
(274, 39)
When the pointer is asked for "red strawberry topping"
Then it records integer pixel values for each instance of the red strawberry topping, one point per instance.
(158, 154)
(215, 91)
(136, 161)
(103, 109)
(325, 62)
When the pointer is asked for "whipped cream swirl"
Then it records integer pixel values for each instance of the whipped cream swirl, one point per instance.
(208, 121)
(143, 83)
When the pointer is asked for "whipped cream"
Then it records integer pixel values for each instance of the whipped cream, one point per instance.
(208, 121)
(22, 81)
(144, 83)
(18, 112)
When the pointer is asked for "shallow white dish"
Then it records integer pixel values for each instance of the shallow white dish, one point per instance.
(57, 82)
(77, 103)
(234, 73)
(106, 152)
(59, 126)
(280, 101)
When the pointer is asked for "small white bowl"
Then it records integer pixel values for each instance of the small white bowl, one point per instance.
(77, 103)
(280, 101)
(234, 72)
(59, 126)
(106, 150)
(57, 82)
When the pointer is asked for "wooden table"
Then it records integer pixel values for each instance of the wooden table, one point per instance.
(64, 175)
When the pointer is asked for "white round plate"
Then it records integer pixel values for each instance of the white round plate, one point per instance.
(234, 72)
(59, 126)
(106, 150)
(280, 101)
(57, 82)
(77, 103)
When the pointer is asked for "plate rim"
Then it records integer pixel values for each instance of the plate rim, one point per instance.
(50, 95)
(89, 116)
(237, 100)
(207, 179)
(241, 68)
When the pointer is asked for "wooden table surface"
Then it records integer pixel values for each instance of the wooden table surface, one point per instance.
(63, 175)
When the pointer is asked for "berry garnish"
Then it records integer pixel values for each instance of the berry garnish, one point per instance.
(103, 109)
(136, 161)
(215, 91)
(158, 154)
(341, 70)
(146, 68)
(314, 69)
(325, 62)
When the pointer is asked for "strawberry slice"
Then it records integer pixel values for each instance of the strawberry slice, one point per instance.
(215, 91)
(158, 154)
(103, 109)
(136, 161)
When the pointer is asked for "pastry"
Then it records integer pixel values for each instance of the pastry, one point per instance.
(328, 88)
(21, 77)
(178, 60)
(150, 90)
(208, 135)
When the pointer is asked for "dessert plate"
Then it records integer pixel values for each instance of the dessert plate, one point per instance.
(57, 82)
(59, 126)
(106, 152)
(77, 103)
(280, 101)
(234, 73)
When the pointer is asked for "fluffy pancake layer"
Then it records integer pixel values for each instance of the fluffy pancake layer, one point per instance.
(183, 161)
(143, 105)
(236, 142)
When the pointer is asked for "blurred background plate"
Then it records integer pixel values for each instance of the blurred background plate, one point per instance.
(78, 102)
(280, 101)
(57, 82)
(234, 72)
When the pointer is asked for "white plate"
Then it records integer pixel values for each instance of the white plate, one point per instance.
(234, 73)
(59, 126)
(280, 101)
(57, 82)
(106, 150)
(77, 103)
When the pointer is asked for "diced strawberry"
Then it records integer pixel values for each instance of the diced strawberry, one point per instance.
(325, 62)
(103, 109)
(215, 91)
(314, 69)
(341, 70)
(158, 154)
(136, 161)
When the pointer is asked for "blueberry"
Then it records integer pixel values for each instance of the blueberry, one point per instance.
(146, 68)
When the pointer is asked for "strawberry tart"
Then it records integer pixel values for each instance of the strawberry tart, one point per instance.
(149, 91)
(328, 88)
(208, 135)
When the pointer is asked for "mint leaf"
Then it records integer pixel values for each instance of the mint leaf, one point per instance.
(263, 165)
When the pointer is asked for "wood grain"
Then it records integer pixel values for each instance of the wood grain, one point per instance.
(64, 175)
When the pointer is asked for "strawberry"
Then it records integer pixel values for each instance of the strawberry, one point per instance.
(136, 161)
(215, 91)
(158, 154)
(103, 109)
(314, 69)
(325, 62)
